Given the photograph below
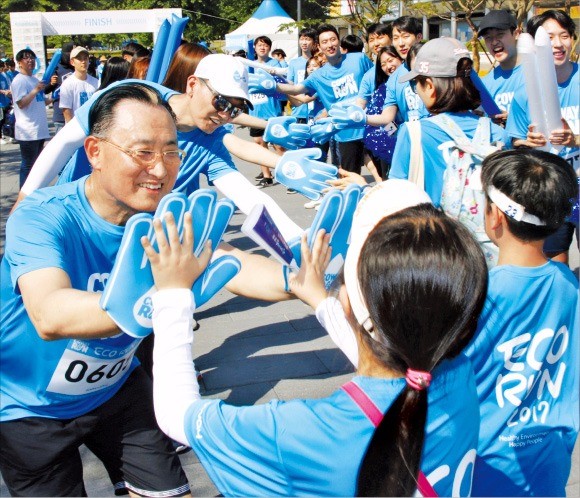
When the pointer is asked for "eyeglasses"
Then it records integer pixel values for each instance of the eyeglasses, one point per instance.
(148, 157)
(221, 104)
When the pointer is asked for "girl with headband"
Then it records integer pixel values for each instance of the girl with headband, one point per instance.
(409, 418)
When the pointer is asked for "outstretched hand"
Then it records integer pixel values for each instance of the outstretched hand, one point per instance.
(175, 265)
(346, 178)
(308, 283)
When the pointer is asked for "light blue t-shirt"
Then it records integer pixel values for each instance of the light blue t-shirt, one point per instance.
(340, 83)
(4, 85)
(503, 84)
(56, 227)
(525, 358)
(367, 84)
(410, 105)
(437, 147)
(206, 153)
(265, 107)
(296, 74)
(519, 117)
(314, 447)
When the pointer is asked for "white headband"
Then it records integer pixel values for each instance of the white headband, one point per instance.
(511, 208)
(382, 200)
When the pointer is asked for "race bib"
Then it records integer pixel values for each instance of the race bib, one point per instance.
(86, 367)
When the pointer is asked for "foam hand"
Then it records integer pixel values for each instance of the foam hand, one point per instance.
(299, 170)
(127, 294)
(210, 218)
(335, 217)
(347, 116)
(322, 131)
(262, 82)
(286, 132)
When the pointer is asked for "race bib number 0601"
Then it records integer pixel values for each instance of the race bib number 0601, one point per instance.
(78, 373)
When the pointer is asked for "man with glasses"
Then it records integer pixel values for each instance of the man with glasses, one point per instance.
(31, 129)
(69, 376)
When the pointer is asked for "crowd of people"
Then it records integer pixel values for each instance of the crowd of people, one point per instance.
(455, 303)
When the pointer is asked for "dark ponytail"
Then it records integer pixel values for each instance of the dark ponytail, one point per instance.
(424, 280)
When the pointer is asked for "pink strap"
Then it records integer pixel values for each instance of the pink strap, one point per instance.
(375, 415)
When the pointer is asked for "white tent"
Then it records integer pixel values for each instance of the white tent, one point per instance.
(266, 20)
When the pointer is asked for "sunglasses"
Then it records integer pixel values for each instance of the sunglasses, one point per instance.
(221, 104)
(413, 85)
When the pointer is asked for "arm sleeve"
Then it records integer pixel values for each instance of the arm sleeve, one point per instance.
(245, 195)
(401, 155)
(55, 156)
(175, 385)
(331, 316)
(518, 119)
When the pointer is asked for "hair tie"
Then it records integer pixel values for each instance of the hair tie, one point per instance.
(418, 379)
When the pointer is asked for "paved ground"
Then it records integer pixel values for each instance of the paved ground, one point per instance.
(248, 351)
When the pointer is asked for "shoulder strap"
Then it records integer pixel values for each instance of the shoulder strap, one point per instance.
(373, 413)
(480, 144)
(416, 163)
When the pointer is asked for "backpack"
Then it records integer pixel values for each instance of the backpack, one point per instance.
(462, 196)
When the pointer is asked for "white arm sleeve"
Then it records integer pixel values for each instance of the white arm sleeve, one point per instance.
(175, 385)
(245, 195)
(55, 156)
(331, 316)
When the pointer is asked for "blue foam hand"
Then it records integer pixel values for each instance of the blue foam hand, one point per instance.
(284, 131)
(210, 218)
(347, 116)
(322, 130)
(299, 170)
(127, 294)
(335, 217)
(262, 82)
(216, 275)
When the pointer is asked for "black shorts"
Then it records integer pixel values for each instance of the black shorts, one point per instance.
(40, 456)
(560, 240)
(351, 155)
(256, 132)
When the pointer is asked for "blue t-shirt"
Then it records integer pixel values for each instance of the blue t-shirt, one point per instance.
(265, 107)
(519, 117)
(503, 84)
(409, 104)
(367, 84)
(56, 227)
(296, 74)
(4, 85)
(206, 153)
(340, 83)
(437, 146)
(525, 355)
(313, 447)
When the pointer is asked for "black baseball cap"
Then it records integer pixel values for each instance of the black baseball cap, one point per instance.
(498, 19)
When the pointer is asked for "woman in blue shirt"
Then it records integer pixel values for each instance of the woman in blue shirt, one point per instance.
(381, 434)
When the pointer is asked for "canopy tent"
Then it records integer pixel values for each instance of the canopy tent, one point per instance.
(266, 20)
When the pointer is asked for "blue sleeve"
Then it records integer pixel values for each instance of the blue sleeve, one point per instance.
(237, 446)
(367, 85)
(34, 240)
(390, 95)
(221, 163)
(290, 75)
(518, 118)
(401, 155)
(311, 83)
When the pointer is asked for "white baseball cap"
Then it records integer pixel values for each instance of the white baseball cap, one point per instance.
(227, 75)
(382, 200)
(76, 51)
